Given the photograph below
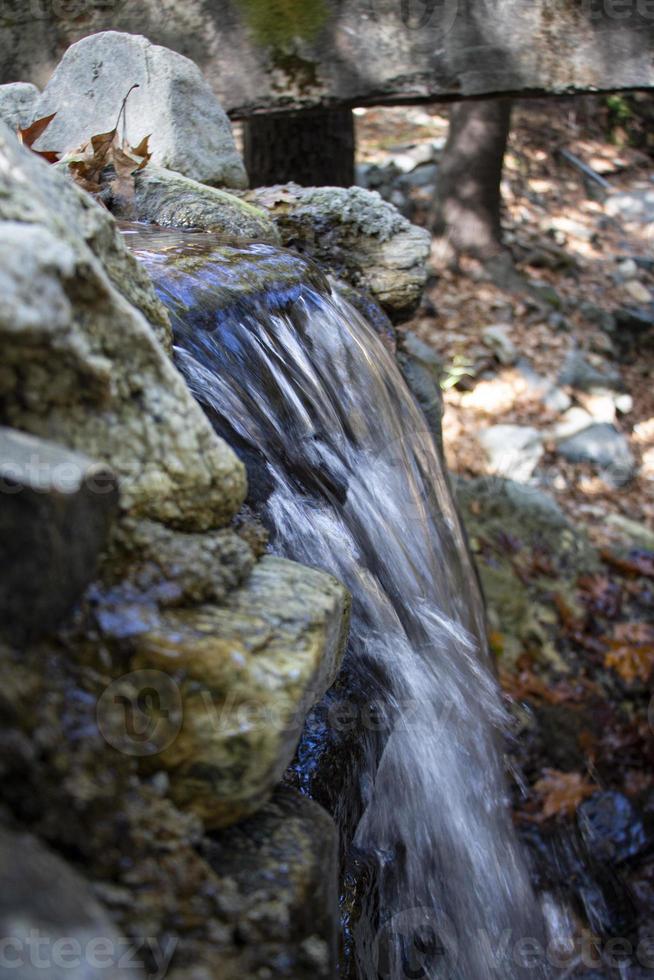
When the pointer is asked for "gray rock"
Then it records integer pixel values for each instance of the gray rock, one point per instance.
(278, 872)
(627, 269)
(83, 367)
(578, 373)
(358, 236)
(17, 102)
(56, 507)
(189, 131)
(636, 205)
(513, 451)
(605, 448)
(50, 922)
(425, 175)
(497, 338)
(173, 201)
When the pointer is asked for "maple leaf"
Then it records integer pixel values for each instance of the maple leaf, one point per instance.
(562, 792)
(631, 651)
(29, 135)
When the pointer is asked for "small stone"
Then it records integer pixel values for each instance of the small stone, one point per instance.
(638, 291)
(573, 420)
(415, 157)
(628, 269)
(497, 338)
(557, 400)
(513, 451)
(635, 320)
(611, 827)
(578, 372)
(624, 404)
(605, 448)
(17, 101)
(636, 531)
(636, 205)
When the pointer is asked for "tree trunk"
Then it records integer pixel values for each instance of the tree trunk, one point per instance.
(467, 206)
(311, 148)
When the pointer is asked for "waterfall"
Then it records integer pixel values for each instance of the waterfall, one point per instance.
(405, 749)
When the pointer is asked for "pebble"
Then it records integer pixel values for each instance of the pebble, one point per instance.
(628, 269)
(638, 291)
(605, 448)
(513, 451)
(496, 337)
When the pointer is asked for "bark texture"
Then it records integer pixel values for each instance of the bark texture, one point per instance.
(468, 199)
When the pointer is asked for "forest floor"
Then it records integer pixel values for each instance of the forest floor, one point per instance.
(566, 345)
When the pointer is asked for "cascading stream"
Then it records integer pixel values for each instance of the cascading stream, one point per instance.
(348, 480)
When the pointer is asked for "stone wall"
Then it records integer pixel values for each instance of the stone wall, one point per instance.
(261, 56)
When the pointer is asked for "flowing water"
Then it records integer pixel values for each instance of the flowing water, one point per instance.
(344, 471)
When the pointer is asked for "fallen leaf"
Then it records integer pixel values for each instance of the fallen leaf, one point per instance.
(30, 134)
(631, 651)
(637, 562)
(562, 792)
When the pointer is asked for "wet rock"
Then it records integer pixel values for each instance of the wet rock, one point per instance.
(173, 567)
(83, 367)
(56, 507)
(422, 370)
(513, 450)
(50, 922)
(248, 672)
(278, 872)
(497, 338)
(17, 101)
(612, 829)
(605, 448)
(173, 201)
(189, 131)
(356, 235)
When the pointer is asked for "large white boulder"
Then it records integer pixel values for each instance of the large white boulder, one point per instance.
(174, 104)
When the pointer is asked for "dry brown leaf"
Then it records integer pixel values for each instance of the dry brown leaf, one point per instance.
(103, 152)
(562, 792)
(631, 651)
(30, 134)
